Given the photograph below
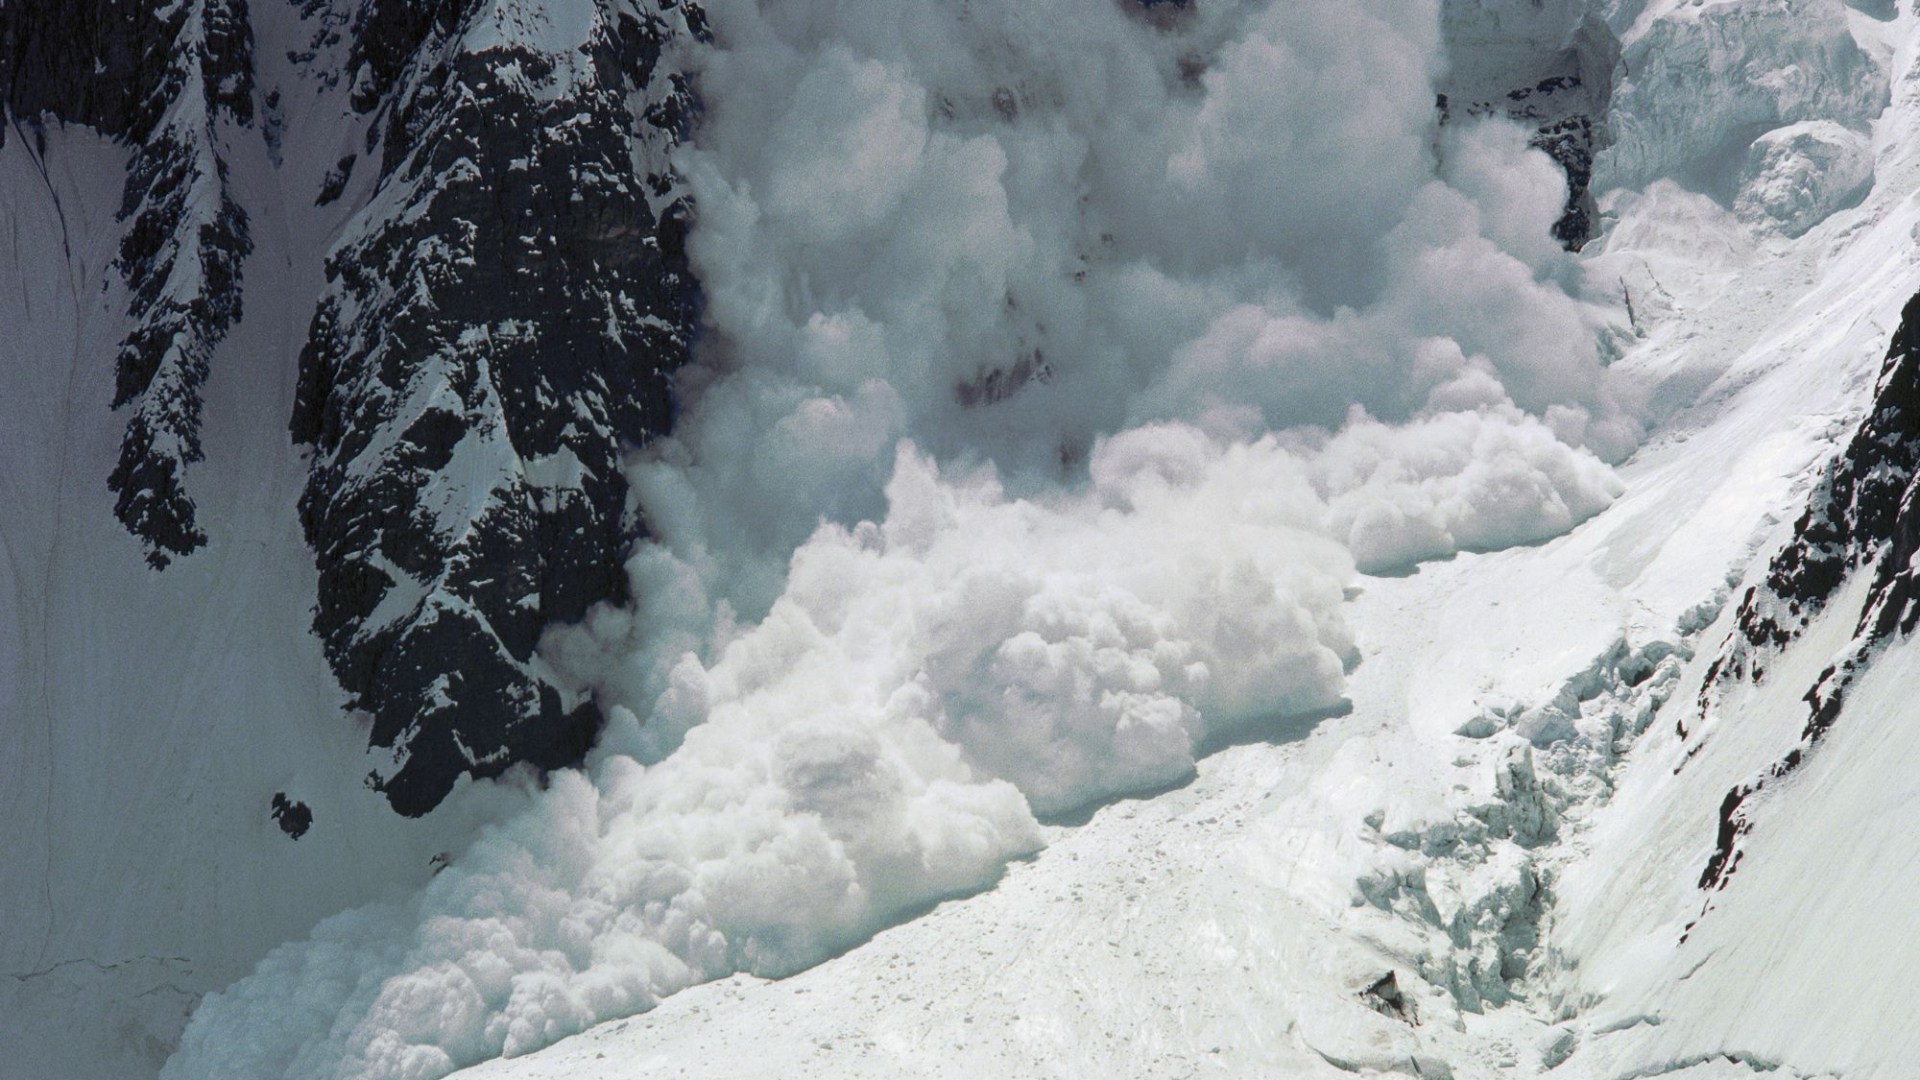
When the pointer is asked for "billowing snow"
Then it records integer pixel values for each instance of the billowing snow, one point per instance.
(1097, 431)
(1233, 926)
(1093, 434)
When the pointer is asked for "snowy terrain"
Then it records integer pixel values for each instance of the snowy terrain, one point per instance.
(1230, 927)
(1030, 666)
(151, 717)
(1233, 926)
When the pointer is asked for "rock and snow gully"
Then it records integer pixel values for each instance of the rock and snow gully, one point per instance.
(989, 688)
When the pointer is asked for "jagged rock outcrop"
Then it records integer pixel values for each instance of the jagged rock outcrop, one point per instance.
(501, 315)
(1863, 517)
(168, 81)
(1561, 110)
(500, 322)
(1547, 66)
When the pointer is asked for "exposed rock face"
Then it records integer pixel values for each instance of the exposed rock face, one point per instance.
(294, 818)
(1549, 68)
(1861, 517)
(501, 315)
(1561, 111)
(500, 320)
(166, 81)
(1860, 514)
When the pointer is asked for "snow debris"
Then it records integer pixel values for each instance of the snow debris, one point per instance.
(883, 621)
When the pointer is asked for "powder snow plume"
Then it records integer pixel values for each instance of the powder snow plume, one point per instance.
(1063, 362)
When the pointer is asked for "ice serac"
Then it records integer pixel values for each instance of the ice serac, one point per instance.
(171, 81)
(1702, 86)
(500, 320)
(1863, 517)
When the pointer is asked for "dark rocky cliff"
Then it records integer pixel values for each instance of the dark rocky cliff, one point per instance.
(501, 314)
(168, 82)
(1863, 517)
(500, 321)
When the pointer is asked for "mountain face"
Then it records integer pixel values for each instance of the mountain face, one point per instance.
(365, 303)
(499, 322)
(503, 306)
(172, 83)
(1862, 521)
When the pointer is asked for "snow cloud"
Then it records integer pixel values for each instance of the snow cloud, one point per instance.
(1064, 360)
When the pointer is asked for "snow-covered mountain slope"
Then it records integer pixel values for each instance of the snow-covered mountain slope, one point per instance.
(1058, 366)
(504, 297)
(182, 778)
(1625, 804)
(172, 83)
(151, 717)
(499, 321)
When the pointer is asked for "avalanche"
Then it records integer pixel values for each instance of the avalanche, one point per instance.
(1514, 817)
(1224, 538)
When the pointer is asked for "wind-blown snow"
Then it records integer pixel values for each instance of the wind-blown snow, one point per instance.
(1236, 222)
